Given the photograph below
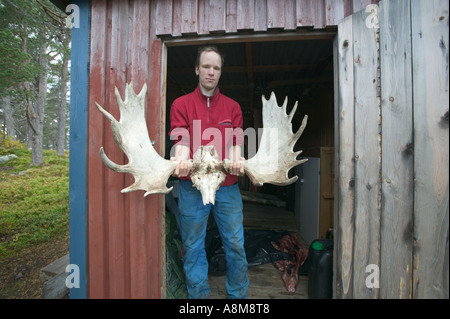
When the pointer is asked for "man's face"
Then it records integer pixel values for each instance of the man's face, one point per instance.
(209, 70)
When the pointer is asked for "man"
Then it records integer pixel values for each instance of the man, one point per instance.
(206, 108)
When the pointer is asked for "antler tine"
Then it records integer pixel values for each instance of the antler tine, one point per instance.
(302, 127)
(115, 167)
(299, 132)
(105, 159)
(285, 102)
(294, 108)
(105, 113)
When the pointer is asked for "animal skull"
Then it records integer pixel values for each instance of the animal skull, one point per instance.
(207, 173)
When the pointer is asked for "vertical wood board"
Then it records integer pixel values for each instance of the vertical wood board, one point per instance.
(78, 167)
(245, 14)
(326, 206)
(164, 16)
(137, 71)
(231, 16)
(189, 16)
(430, 46)
(344, 219)
(96, 215)
(366, 154)
(217, 15)
(397, 139)
(115, 210)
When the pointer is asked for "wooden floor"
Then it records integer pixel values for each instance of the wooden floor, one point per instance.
(265, 280)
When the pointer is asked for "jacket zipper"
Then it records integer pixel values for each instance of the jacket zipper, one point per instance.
(207, 109)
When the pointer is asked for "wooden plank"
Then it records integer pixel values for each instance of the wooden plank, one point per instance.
(176, 18)
(79, 150)
(334, 11)
(260, 15)
(189, 17)
(231, 16)
(397, 161)
(336, 249)
(362, 4)
(55, 288)
(310, 13)
(203, 17)
(290, 17)
(154, 215)
(430, 52)
(217, 10)
(367, 155)
(345, 161)
(164, 128)
(164, 12)
(275, 14)
(115, 217)
(326, 205)
(245, 14)
(55, 268)
(96, 212)
(137, 70)
(265, 283)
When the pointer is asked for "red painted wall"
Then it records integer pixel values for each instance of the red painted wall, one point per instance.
(124, 229)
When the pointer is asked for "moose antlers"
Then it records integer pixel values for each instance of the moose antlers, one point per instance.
(271, 164)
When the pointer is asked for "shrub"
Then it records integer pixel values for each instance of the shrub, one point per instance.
(34, 201)
(7, 144)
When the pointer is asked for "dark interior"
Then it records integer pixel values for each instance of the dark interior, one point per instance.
(300, 70)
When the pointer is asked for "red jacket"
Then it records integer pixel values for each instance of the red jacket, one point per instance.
(200, 120)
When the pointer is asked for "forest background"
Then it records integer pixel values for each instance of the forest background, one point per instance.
(34, 127)
(34, 76)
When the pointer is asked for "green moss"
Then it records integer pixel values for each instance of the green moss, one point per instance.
(34, 201)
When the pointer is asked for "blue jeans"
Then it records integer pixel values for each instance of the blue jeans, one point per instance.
(227, 212)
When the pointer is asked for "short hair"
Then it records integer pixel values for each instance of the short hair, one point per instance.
(208, 48)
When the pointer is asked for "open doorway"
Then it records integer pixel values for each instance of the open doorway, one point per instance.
(301, 70)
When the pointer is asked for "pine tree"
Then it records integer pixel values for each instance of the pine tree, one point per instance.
(32, 37)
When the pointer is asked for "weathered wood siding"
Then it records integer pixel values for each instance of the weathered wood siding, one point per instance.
(203, 17)
(125, 248)
(392, 160)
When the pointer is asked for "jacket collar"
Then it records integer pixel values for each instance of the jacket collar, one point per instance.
(212, 99)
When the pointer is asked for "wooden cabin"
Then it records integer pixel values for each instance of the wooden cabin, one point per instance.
(373, 78)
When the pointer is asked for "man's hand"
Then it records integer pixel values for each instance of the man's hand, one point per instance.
(237, 168)
(182, 155)
(182, 169)
(237, 165)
